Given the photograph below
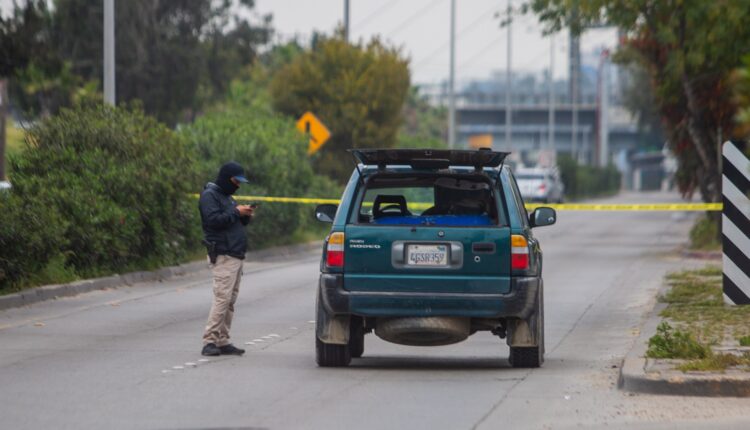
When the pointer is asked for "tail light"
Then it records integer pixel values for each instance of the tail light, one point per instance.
(519, 252)
(542, 187)
(335, 250)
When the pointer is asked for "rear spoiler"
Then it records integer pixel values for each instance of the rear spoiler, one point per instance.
(429, 158)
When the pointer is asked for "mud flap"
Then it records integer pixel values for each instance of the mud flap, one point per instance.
(331, 329)
(525, 332)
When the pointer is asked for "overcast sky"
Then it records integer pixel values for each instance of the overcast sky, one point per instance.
(422, 29)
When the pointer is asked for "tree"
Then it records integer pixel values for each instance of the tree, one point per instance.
(689, 48)
(424, 126)
(741, 85)
(357, 90)
(173, 55)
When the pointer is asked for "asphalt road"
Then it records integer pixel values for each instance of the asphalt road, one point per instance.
(117, 359)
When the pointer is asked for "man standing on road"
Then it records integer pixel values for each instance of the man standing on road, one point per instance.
(224, 224)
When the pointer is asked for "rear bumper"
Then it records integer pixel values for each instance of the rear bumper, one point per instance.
(518, 303)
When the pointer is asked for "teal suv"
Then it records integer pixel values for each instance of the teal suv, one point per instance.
(426, 248)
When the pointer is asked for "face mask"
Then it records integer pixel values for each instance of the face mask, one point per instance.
(227, 185)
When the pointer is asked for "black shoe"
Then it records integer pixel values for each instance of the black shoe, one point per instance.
(231, 350)
(211, 350)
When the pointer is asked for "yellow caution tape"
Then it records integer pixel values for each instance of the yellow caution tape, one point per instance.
(529, 206)
(303, 200)
(630, 207)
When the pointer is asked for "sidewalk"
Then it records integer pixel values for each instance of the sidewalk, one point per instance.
(48, 292)
(661, 376)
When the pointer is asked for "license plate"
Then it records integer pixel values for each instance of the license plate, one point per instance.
(427, 255)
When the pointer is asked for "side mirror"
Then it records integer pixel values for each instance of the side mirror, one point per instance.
(542, 216)
(326, 212)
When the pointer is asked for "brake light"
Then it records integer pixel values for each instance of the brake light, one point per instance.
(519, 252)
(542, 187)
(335, 250)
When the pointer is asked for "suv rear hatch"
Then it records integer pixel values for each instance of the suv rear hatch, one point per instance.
(428, 231)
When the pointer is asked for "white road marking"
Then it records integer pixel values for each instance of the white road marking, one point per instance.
(267, 337)
(204, 360)
(293, 328)
(165, 371)
(258, 340)
(189, 364)
(249, 343)
(177, 367)
(273, 335)
(311, 321)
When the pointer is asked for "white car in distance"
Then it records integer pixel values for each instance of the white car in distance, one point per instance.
(539, 184)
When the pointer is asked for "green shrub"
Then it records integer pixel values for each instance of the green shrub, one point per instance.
(29, 237)
(704, 234)
(672, 343)
(274, 155)
(118, 180)
(587, 181)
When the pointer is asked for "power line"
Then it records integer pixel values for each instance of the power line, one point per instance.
(359, 25)
(482, 51)
(415, 15)
(466, 30)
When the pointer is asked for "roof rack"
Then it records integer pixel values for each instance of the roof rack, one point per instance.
(430, 158)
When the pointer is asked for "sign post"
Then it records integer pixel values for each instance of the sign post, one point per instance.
(318, 132)
(735, 224)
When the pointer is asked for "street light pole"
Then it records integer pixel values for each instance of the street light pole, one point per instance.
(346, 20)
(508, 85)
(551, 127)
(452, 82)
(109, 51)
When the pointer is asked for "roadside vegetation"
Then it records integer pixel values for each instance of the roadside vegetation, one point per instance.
(587, 181)
(704, 235)
(100, 190)
(697, 322)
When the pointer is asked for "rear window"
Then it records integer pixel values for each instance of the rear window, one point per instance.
(529, 176)
(437, 200)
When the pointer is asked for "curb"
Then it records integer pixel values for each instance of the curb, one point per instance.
(48, 292)
(635, 378)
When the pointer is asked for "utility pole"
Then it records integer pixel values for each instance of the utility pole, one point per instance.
(109, 51)
(3, 115)
(452, 82)
(551, 127)
(604, 109)
(508, 85)
(575, 68)
(346, 20)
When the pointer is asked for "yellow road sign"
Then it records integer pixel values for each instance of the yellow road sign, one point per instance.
(319, 134)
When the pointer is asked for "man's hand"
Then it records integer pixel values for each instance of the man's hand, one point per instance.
(245, 210)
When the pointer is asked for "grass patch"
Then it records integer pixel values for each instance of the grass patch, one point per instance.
(714, 362)
(704, 236)
(669, 342)
(699, 320)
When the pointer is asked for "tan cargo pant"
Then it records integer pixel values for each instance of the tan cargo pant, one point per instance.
(227, 276)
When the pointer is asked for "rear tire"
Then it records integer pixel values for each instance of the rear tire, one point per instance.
(531, 356)
(356, 337)
(331, 355)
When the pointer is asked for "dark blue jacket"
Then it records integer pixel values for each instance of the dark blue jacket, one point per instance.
(222, 223)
